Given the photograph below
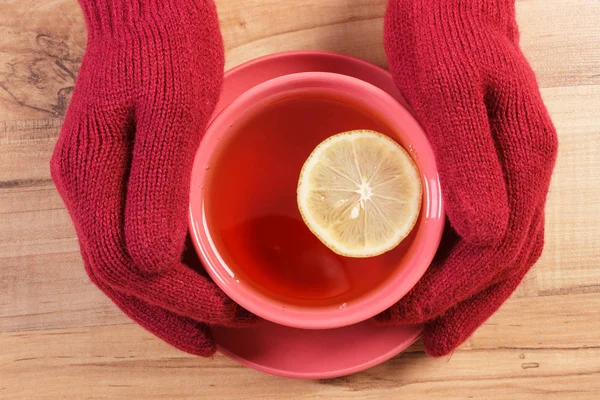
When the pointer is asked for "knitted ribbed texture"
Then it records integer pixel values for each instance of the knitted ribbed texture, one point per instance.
(148, 83)
(458, 64)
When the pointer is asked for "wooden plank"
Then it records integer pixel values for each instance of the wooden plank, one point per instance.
(351, 27)
(571, 259)
(542, 322)
(124, 362)
(41, 46)
(37, 233)
(560, 40)
(50, 291)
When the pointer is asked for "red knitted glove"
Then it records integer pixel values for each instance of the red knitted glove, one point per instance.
(459, 66)
(148, 83)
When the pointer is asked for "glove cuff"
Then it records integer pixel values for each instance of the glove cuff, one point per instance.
(499, 13)
(110, 18)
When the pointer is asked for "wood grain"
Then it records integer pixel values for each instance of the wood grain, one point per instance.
(62, 339)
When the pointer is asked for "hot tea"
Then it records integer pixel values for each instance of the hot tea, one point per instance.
(251, 208)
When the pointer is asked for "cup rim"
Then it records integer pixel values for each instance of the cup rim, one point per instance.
(366, 306)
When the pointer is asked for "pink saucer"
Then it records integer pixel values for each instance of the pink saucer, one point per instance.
(294, 352)
(314, 354)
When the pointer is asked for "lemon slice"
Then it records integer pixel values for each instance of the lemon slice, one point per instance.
(359, 192)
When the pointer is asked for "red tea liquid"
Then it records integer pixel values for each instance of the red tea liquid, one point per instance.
(252, 212)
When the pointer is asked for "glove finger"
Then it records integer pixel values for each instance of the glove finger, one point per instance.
(449, 100)
(190, 294)
(95, 201)
(527, 140)
(182, 333)
(179, 290)
(168, 130)
(444, 334)
(467, 270)
(92, 141)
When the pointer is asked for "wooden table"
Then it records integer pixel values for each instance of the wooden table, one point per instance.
(60, 338)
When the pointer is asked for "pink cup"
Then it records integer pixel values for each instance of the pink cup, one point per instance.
(427, 233)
